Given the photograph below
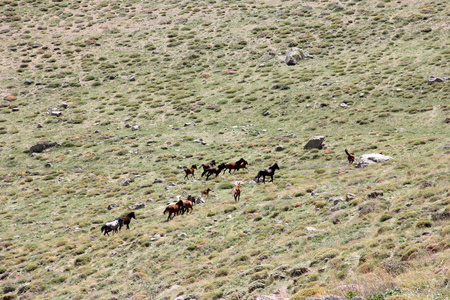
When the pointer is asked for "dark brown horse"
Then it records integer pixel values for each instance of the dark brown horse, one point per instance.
(240, 164)
(190, 171)
(207, 166)
(350, 157)
(126, 220)
(237, 192)
(173, 209)
(267, 172)
(214, 170)
(188, 205)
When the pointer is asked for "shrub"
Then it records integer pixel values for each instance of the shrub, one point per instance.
(310, 292)
(82, 260)
(225, 185)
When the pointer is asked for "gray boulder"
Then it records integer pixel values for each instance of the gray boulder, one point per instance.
(41, 146)
(293, 56)
(138, 205)
(316, 142)
(367, 159)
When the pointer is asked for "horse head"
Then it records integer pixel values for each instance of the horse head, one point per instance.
(221, 166)
(131, 215)
(275, 167)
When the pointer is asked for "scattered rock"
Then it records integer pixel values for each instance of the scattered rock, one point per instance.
(56, 113)
(28, 82)
(350, 196)
(23, 288)
(138, 205)
(136, 127)
(336, 200)
(279, 148)
(126, 182)
(41, 146)
(48, 165)
(316, 142)
(293, 56)
(434, 79)
(375, 194)
(158, 181)
(133, 78)
(367, 159)
(10, 98)
(112, 206)
(4, 275)
(266, 113)
(63, 105)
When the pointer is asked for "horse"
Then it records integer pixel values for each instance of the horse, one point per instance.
(207, 166)
(206, 192)
(242, 163)
(350, 157)
(236, 192)
(267, 172)
(126, 220)
(215, 170)
(188, 205)
(173, 209)
(110, 226)
(190, 171)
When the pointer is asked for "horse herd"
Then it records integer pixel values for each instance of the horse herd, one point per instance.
(187, 206)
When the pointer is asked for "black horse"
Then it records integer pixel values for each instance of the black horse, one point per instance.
(267, 172)
(214, 170)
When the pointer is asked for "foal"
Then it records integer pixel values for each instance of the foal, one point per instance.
(190, 171)
(236, 192)
(206, 192)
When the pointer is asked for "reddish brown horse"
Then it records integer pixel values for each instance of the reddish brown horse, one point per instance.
(190, 171)
(240, 164)
(205, 193)
(188, 205)
(267, 172)
(173, 209)
(237, 192)
(214, 170)
(126, 220)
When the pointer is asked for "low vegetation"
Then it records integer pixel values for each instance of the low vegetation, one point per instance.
(135, 91)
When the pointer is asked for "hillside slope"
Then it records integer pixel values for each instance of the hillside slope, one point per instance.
(133, 91)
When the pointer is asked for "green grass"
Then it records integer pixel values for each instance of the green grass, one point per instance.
(204, 76)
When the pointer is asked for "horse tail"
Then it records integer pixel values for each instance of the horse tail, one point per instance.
(103, 228)
(346, 152)
(257, 175)
(166, 210)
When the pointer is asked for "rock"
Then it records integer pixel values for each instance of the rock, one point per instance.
(266, 113)
(4, 275)
(133, 78)
(112, 206)
(316, 142)
(336, 200)
(56, 113)
(343, 105)
(293, 56)
(10, 98)
(28, 82)
(126, 182)
(434, 79)
(48, 165)
(158, 181)
(329, 297)
(138, 205)
(63, 105)
(279, 148)
(23, 288)
(375, 194)
(41, 146)
(367, 159)
(350, 196)
(136, 127)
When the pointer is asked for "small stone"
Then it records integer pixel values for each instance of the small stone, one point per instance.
(266, 113)
(279, 148)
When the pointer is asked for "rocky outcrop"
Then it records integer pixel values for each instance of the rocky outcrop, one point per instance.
(316, 142)
(367, 159)
(41, 146)
(293, 56)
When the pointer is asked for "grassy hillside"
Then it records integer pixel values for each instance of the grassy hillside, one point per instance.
(135, 90)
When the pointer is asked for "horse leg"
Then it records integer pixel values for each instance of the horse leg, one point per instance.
(264, 179)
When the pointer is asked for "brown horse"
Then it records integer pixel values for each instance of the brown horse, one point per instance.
(236, 192)
(350, 157)
(205, 193)
(173, 209)
(240, 164)
(188, 205)
(267, 172)
(126, 220)
(207, 166)
(190, 171)
(215, 170)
